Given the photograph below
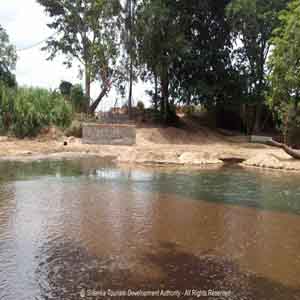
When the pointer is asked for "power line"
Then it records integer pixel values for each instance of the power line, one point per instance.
(36, 44)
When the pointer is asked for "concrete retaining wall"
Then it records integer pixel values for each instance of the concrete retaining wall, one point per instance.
(260, 139)
(109, 134)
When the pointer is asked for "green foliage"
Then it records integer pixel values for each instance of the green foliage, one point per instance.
(253, 22)
(26, 111)
(65, 88)
(189, 110)
(288, 122)
(285, 59)
(140, 106)
(88, 31)
(8, 58)
(285, 69)
(6, 106)
(186, 46)
(78, 99)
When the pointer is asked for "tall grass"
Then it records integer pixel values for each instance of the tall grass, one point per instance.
(25, 111)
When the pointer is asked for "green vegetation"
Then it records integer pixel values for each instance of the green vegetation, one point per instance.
(25, 111)
(89, 34)
(237, 59)
(285, 73)
(8, 58)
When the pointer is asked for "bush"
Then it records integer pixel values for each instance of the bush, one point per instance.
(79, 100)
(140, 106)
(189, 110)
(290, 124)
(6, 106)
(74, 130)
(31, 109)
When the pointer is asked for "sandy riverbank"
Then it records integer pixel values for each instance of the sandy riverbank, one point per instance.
(199, 147)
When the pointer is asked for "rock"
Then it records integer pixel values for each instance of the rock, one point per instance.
(157, 157)
(198, 158)
(264, 161)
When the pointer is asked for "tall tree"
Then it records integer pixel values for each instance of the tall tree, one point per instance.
(8, 58)
(186, 45)
(253, 22)
(285, 59)
(285, 67)
(201, 70)
(129, 39)
(159, 40)
(87, 30)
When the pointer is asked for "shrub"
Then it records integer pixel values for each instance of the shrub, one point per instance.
(79, 100)
(140, 106)
(74, 130)
(6, 106)
(31, 109)
(189, 110)
(65, 88)
(289, 117)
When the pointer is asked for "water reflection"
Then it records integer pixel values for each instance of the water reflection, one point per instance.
(81, 224)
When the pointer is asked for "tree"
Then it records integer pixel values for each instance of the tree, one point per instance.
(129, 39)
(65, 88)
(8, 58)
(159, 40)
(202, 70)
(253, 22)
(285, 69)
(87, 30)
(79, 100)
(185, 47)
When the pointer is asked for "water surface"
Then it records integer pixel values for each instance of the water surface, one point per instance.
(85, 225)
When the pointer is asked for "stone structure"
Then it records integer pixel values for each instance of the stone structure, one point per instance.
(260, 139)
(109, 134)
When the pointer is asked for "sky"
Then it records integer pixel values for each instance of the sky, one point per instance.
(26, 25)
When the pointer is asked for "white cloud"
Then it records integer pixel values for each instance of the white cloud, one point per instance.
(26, 24)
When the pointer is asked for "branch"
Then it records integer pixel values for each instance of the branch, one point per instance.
(290, 151)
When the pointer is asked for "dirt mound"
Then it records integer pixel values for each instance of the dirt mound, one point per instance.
(178, 136)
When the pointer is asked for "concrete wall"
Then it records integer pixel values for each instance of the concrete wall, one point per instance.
(109, 134)
(260, 139)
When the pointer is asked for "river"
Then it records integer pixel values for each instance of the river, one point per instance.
(89, 229)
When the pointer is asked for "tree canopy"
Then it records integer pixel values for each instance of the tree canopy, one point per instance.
(87, 30)
(252, 23)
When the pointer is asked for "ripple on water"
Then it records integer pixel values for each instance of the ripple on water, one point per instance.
(101, 227)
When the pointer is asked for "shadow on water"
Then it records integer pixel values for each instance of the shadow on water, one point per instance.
(178, 270)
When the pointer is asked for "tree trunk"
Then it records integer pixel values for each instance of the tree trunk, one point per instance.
(155, 92)
(130, 16)
(258, 115)
(290, 151)
(260, 90)
(95, 104)
(130, 90)
(165, 92)
(189, 97)
(87, 86)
